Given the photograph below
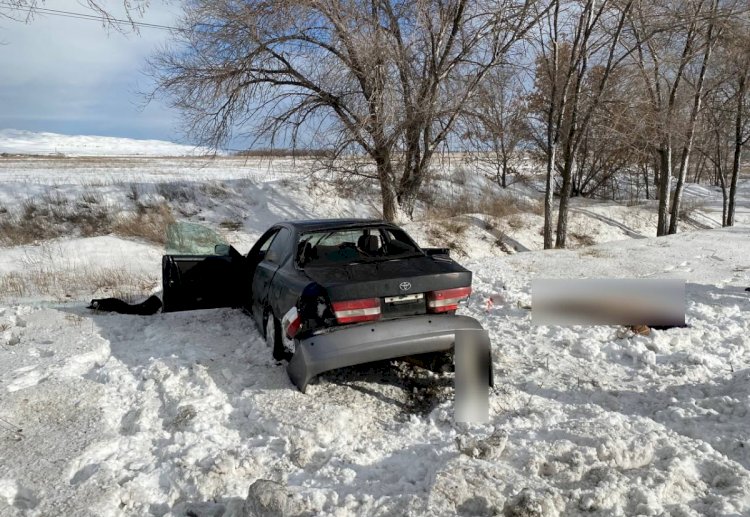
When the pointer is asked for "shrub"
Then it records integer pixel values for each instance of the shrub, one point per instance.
(134, 193)
(176, 192)
(583, 239)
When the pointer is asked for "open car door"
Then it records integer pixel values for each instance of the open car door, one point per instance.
(199, 271)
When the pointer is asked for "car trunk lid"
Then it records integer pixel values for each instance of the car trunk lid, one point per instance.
(401, 284)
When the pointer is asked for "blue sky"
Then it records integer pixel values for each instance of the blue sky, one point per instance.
(74, 77)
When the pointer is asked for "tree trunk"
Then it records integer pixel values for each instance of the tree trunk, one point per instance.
(702, 168)
(724, 196)
(665, 187)
(738, 122)
(688, 148)
(410, 184)
(562, 214)
(719, 176)
(391, 209)
(553, 129)
(505, 171)
(677, 198)
(548, 196)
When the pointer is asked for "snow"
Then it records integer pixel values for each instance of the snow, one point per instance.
(188, 414)
(15, 141)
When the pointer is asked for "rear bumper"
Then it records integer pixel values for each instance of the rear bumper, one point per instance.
(375, 342)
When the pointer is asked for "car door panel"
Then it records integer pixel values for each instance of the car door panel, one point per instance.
(270, 262)
(193, 282)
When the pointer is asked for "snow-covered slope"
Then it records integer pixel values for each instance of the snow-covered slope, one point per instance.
(14, 141)
(180, 413)
(183, 414)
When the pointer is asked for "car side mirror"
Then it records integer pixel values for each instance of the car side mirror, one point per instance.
(221, 249)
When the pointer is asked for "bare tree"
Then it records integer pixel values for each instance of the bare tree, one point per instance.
(716, 145)
(667, 35)
(494, 123)
(554, 110)
(708, 40)
(740, 69)
(593, 29)
(387, 79)
(25, 10)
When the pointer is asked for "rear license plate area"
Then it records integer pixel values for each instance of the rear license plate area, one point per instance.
(404, 305)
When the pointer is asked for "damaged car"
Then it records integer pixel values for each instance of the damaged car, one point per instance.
(325, 294)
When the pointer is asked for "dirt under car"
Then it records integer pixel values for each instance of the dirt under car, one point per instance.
(325, 294)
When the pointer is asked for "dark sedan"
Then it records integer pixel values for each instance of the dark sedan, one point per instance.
(331, 293)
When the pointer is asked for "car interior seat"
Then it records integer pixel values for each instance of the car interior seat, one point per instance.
(370, 244)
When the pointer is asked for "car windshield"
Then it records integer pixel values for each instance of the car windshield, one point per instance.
(354, 245)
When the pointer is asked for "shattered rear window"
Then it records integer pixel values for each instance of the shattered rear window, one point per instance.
(354, 245)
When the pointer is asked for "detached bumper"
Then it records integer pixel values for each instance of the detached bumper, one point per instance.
(378, 341)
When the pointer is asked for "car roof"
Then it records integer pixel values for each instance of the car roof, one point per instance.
(311, 225)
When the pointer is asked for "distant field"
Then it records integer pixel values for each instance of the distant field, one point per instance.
(103, 170)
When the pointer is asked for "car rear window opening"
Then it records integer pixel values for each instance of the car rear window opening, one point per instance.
(353, 245)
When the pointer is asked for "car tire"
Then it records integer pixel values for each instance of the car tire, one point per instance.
(273, 336)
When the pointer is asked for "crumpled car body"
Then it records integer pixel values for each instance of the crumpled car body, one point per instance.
(328, 293)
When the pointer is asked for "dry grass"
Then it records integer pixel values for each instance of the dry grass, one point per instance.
(231, 225)
(505, 208)
(150, 223)
(594, 252)
(460, 176)
(449, 233)
(177, 192)
(73, 283)
(52, 216)
(515, 222)
(581, 230)
(689, 207)
(583, 239)
(54, 198)
(215, 190)
(90, 197)
(454, 227)
(501, 207)
(49, 273)
(12, 285)
(453, 207)
(134, 192)
(38, 222)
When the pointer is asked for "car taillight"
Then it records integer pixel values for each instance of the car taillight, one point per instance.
(352, 311)
(291, 322)
(447, 299)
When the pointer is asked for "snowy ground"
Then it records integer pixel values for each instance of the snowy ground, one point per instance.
(180, 414)
(14, 141)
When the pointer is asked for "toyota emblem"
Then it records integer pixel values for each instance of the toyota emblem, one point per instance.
(404, 286)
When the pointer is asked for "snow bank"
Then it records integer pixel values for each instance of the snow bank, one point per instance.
(187, 414)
